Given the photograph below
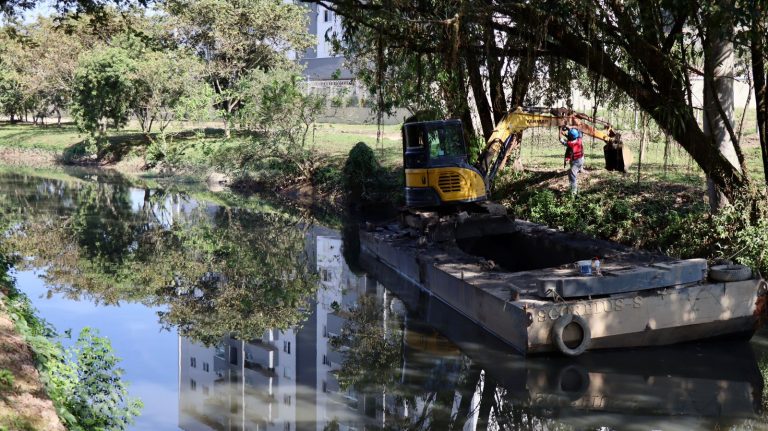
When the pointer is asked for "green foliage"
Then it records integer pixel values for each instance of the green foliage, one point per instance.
(16, 423)
(6, 380)
(736, 234)
(168, 87)
(103, 89)
(278, 114)
(373, 350)
(360, 171)
(237, 39)
(83, 381)
(476, 146)
(655, 223)
(239, 277)
(328, 178)
(99, 397)
(237, 274)
(11, 96)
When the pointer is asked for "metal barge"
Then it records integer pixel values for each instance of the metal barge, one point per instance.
(517, 281)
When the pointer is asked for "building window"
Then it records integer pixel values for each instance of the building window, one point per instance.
(193, 362)
(326, 361)
(205, 367)
(192, 385)
(206, 390)
(287, 347)
(325, 386)
(327, 15)
(287, 400)
(233, 355)
(287, 426)
(219, 353)
(325, 331)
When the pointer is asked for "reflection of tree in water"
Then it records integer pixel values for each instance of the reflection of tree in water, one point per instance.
(83, 237)
(372, 347)
(373, 341)
(237, 273)
(241, 275)
(102, 224)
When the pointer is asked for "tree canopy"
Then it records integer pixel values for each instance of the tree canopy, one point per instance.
(649, 50)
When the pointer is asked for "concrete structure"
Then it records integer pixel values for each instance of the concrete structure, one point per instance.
(642, 300)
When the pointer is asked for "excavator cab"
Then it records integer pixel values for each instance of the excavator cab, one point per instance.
(437, 171)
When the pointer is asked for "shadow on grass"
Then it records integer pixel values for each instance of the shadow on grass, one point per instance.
(27, 131)
(529, 181)
(119, 146)
(116, 148)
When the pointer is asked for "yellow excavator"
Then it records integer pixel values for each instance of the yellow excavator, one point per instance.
(438, 173)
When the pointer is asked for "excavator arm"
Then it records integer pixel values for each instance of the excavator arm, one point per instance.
(508, 133)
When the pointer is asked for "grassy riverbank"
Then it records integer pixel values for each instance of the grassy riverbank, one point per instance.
(30, 145)
(24, 403)
(206, 150)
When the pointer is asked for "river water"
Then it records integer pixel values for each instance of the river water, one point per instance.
(242, 315)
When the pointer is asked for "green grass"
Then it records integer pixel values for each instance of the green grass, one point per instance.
(32, 137)
(335, 141)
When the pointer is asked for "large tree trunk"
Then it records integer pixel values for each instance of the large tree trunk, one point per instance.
(522, 80)
(495, 78)
(758, 48)
(478, 91)
(520, 84)
(718, 98)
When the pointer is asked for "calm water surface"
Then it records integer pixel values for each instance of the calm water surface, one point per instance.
(207, 307)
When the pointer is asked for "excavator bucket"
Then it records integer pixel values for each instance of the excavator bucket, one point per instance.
(616, 159)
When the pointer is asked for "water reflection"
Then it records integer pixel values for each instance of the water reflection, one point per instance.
(218, 270)
(367, 360)
(276, 332)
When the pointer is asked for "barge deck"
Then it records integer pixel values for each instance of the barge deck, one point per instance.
(517, 281)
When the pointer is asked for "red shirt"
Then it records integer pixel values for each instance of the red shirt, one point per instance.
(577, 149)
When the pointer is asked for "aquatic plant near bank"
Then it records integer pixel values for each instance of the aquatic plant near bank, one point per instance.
(83, 381)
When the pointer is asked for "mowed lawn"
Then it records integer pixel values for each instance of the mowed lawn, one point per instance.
(29, 136)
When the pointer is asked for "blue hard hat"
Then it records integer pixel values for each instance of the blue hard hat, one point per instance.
(573, 134)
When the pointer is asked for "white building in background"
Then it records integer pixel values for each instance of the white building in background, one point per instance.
(321, 62)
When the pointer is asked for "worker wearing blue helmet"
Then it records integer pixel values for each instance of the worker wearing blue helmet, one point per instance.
(571, 138)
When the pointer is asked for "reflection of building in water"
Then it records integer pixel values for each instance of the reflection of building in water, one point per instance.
(285, 380)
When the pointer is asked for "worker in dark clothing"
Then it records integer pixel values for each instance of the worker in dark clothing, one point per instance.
(571, 138)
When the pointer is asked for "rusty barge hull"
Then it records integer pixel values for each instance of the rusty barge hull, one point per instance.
(641, 300)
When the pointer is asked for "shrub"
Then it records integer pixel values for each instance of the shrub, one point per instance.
(328, 178)
(735, 233)
(360, 171)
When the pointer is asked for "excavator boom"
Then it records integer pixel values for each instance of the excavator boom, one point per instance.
(508, 132)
